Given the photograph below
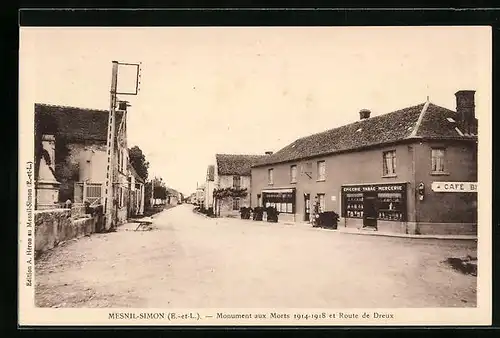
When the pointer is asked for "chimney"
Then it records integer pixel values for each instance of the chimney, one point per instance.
(364, 114)
(465, 110)
(269, 152)
(122, 105)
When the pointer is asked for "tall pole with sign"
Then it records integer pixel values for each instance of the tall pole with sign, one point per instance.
(110, 144)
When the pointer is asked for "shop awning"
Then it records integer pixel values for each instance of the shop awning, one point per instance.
(278, 190)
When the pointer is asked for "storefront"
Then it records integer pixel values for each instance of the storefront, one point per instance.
(371, 203)
(282, 199)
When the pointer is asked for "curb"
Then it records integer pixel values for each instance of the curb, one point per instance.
(389, 234)
(384, 234)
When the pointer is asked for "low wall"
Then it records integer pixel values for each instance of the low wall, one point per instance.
(55, 226)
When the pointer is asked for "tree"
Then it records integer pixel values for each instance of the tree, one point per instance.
(160, 192)
(222, 194)
(138, 161)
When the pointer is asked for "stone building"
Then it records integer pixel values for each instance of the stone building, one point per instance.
(78, 138)
(386, 172)
(234, 171)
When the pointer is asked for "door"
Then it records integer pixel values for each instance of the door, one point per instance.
(370, 209)
(307, 206)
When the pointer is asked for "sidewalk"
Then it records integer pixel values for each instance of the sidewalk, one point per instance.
(356, 231)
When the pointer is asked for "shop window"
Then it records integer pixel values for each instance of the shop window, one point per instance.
(284, 202)
(270, 176)
(437, 160)
(293, 174)
(236, 182)
(321, 201)
(389, 163)
(321, 170)
(390, 201)
(236, 203)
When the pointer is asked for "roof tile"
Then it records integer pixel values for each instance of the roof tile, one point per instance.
(74, 123)
(236, 164)
(378, 130)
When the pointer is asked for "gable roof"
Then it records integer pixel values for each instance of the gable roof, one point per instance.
(425, 120)
(236, 164)
(134, 173)
(211, 173)
(73, 123)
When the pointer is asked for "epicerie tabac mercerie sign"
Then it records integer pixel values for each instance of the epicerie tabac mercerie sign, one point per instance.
(454, 186)
(375, 187)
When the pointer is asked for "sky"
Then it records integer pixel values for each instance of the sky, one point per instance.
(249, 90)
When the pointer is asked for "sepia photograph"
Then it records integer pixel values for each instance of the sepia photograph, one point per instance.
(313, 175)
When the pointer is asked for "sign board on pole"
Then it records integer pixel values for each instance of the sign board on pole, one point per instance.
(454, 187)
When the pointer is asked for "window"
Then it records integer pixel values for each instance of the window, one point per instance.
(270, 176)
(120, 197)
(321, 200)
(321, 170)
(236, 203)
(284, 202)
(236, 182)
(437, 159)
(389, 162)
(293, 174)
(124, 168)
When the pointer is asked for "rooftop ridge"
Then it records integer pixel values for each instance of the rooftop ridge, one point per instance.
(397, 126)
(419, 121)
(70, 107)
(377, 117)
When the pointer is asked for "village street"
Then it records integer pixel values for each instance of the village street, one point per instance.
(190, 261)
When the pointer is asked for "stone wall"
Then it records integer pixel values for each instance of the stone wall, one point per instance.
(55, 226)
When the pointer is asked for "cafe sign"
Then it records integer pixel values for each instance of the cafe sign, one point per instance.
(454, 186)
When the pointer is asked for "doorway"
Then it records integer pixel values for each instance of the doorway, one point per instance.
(307, 207)
(370, 211)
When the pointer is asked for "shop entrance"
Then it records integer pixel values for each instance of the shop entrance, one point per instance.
(370, 211)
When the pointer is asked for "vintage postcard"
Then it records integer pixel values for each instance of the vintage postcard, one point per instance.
(255, 176)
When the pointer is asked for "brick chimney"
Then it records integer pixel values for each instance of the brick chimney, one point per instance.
(364, 114)
(122, 105)
(466, 113)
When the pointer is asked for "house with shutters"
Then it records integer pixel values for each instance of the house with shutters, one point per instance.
(390, 172)
(78, 138)
(234, 171)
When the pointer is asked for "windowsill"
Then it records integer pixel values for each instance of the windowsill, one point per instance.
(440, 173)
(270, 184)
(295, 182)
(389, 176)
(321, 180)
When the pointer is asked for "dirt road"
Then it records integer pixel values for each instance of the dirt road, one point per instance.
(191, 261)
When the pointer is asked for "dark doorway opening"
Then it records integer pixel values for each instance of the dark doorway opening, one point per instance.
(307, 206)
(370, 210)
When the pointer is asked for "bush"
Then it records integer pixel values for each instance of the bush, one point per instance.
(245, 212)
(210, 212)
(258, 212)
(328, 219)
(272, 214)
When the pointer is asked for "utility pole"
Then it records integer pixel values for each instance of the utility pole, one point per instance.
(153, 191)
(108, 206)
(110, 144)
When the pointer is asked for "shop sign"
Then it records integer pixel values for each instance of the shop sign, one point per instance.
(454, 187)
(375, 187)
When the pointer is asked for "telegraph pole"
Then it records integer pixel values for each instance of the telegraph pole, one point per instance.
(108, 206)
(110, 151)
